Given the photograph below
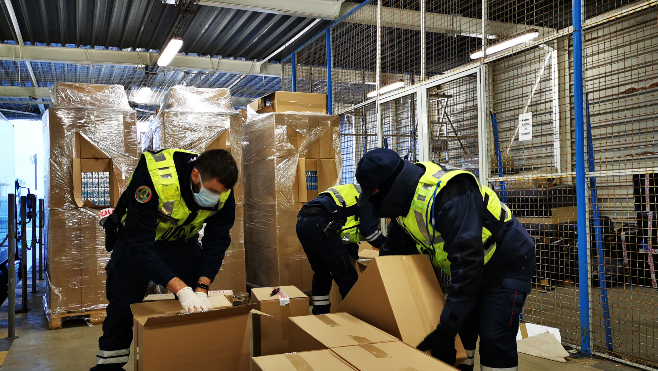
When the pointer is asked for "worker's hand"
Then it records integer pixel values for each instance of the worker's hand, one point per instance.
(192, 302)
(442, 344)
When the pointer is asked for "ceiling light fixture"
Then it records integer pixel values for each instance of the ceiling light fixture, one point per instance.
(387, 88)
(173, 46)
(518, 40)
(142, 96)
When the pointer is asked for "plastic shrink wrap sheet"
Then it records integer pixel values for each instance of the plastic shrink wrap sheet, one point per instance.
(288, 159)
(91, 150)
(199, 119)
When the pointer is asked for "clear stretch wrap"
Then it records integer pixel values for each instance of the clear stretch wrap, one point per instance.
(79, 142)
(288, 159)
(198, 119)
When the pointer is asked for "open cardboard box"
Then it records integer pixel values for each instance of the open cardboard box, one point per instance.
(218, 339)
(400, 295)
(275, 330)
(92, 159)
(333, 330)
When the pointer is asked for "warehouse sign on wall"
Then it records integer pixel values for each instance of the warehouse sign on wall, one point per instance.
(525, 126)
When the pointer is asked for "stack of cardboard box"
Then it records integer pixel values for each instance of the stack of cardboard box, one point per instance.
(288, 158)
(199, 119)
(91, 130)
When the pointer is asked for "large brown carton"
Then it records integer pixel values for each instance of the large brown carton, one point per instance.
(91, 96)
(393, 356)
(64, 262)
(319, 360)
(165, 339)
(400, 295)
(192, 99)
(286, 101)
(275, 330)
(333, 330)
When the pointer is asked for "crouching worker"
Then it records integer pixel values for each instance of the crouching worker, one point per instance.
(171, 195)
(329, 229)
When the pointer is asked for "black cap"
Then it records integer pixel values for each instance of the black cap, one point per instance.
(373, 169)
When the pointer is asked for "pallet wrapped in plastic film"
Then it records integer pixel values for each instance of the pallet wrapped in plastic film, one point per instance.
(199, 119)
(90, 144)
(288, 159)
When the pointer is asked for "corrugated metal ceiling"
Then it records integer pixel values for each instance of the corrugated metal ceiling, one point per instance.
(224, 32)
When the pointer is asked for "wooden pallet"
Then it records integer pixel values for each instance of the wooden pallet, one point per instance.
(95, 317)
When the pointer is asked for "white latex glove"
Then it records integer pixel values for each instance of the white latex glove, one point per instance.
(193, 302)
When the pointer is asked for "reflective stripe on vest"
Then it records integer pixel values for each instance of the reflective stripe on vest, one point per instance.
(346, 196)
(418, 222)
(175, 220)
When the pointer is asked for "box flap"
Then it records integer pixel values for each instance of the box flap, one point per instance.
(263, 293)
(340, 329)
(169, 312)
(368, 254)
(389, 357)
(319, 360)
(400, 295)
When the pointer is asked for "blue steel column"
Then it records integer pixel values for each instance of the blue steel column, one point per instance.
(294, 72)
(329, 87)
(583, 284)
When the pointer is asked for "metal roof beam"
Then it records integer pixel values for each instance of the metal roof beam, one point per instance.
(324, 9)
(125, 58)
(437, 23)
(24, 92)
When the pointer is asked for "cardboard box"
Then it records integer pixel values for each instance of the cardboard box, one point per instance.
(566, 214)
(193, 99)
(335, 298)
(64, 263)
(392, 356)
(400, 295)
(275, 330)
(167, 340)
(333, 330)
(212, 297)
(94, 96)
(285, 101)
(326, 177)
(319, 360)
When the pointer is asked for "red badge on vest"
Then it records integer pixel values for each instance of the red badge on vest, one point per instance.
(143, 194)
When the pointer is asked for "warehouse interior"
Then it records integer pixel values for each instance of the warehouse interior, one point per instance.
(551, 104)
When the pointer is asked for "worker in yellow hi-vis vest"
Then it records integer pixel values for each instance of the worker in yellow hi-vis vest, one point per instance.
(469, 234)
(154, 236)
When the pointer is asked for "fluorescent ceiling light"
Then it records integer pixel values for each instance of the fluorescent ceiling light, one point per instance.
(173, 46)
(518, 40)
(142, 96)
(386, 89)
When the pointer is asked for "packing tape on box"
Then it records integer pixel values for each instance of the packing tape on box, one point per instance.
(298, 362)
(360, 339)
(284, 299)
(327, 321)
(378, 353)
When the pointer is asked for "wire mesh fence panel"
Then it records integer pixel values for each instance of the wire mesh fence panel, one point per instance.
(400, 42)
(358, 136)
(530, 144)
(453, 31)
(400, 127)
(354, 57)
(312, 67)
(286, 74)
(453, 119)
(621, 84)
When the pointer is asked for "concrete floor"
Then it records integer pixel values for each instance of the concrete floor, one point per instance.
(74, 347)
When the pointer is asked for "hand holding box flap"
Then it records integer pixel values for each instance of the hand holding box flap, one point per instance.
(319, 360)
(393, 356)
(400, 295)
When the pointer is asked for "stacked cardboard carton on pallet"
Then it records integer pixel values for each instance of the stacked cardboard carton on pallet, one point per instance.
(198, 119)
(288, 158)
(91, 150)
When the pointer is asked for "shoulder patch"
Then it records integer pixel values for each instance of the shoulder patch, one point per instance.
(143, 194)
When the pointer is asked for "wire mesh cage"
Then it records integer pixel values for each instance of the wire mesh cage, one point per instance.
(358, 136)
(400, 127)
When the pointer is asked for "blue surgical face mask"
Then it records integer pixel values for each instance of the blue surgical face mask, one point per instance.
(205, 198)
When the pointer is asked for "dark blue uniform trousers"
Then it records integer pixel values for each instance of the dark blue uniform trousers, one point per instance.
(495, 317)
(126, 285)
(329, 259)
